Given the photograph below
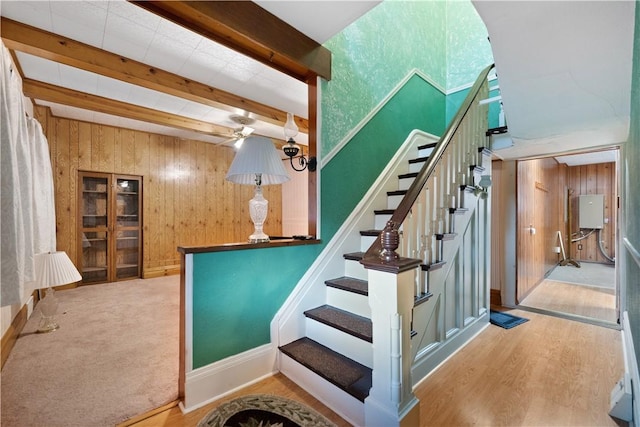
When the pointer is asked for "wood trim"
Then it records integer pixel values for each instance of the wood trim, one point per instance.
(496, 297)
(13, 332)
(139, 418)
(312, 192)
(182, 367)
(167, 270)
(66, 51)
(249, 29)
(61, 95)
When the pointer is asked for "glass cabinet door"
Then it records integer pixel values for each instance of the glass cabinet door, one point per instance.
(109, 227)
(127, 247)
(95, 228)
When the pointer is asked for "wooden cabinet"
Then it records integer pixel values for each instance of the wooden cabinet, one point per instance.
(110, 233)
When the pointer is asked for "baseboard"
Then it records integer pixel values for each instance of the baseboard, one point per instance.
(166, 270)
(631, 366)
(212, 382)
(496, 297)
(15, 329)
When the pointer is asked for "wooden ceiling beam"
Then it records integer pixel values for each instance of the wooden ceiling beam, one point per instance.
(44, 44)
(61, 95)
(249, 29)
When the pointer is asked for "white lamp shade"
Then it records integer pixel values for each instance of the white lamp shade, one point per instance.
(257, 155)
(55, 269)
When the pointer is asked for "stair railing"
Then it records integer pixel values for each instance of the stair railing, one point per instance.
(425, 212)
(414, 235)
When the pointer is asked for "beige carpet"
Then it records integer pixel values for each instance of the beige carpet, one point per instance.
(115, 356)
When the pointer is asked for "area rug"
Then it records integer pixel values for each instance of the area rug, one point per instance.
(263, 410)
(505, 320)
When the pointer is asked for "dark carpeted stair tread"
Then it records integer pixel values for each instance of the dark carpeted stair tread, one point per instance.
(349, 284)
(408, 175)
(354, 256)
(345, 373)
(370, 232)
(429, 145)
(384, 211)
(352, 324)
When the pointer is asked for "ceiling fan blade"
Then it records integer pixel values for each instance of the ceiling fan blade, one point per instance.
(246, 131)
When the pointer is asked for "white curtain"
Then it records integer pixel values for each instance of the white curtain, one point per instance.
(27, 223)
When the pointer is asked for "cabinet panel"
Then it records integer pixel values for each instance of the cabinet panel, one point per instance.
(110, 229)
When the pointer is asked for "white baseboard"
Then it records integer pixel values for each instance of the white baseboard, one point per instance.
(212, 382)
(631, 366)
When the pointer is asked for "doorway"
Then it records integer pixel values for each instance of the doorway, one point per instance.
(566, 236)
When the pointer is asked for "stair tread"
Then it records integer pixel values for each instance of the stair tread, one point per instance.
(419, 160)
(429, 145)
(408, 175)
(371, 232)
(384, 211)
(397, 193)
(352, 324)
(350, 284)
(354, 256)
(345, 373)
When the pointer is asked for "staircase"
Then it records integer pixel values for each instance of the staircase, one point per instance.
(419, 304)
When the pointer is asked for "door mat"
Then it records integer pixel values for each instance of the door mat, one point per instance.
(264, 410)
(505, 320)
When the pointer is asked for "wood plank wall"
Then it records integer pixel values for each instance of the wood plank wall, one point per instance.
(594, 179)
(541, 183)
(186, 201)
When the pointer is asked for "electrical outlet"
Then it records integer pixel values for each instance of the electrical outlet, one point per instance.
(579, 246)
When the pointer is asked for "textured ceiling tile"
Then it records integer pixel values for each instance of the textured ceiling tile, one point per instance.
(37, 14)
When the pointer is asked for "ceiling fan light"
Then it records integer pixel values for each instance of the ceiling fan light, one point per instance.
(238, 143)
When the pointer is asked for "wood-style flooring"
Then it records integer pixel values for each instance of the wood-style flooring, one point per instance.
(548, 371)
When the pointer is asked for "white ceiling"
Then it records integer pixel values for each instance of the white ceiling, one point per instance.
(128, 30)
(564, 69)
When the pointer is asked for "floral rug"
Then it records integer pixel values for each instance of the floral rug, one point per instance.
(263, 410)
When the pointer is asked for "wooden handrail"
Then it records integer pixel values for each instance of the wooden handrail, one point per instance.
(415, 189)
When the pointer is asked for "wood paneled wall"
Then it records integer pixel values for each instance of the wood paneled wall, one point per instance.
(540, 190)
(594, 179)
(186, 200)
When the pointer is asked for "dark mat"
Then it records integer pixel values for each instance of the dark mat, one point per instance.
(505, 320)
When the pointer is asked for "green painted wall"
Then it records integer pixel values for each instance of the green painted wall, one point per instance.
(630, 160)
(446, 41)
(237, 293)
(348, 176)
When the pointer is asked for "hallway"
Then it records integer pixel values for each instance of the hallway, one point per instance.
(587, 292)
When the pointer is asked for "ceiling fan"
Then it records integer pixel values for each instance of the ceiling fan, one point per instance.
(240, 133)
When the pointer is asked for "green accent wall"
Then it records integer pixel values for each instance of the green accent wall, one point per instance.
(446, 41)
(630, 159)
(236, 295)
(350, 174)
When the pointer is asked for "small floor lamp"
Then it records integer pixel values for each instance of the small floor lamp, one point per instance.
(53, 269)
(258, 163)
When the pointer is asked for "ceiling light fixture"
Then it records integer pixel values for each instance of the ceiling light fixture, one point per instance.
(291, 149)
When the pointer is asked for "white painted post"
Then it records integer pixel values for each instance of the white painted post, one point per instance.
(391, 401)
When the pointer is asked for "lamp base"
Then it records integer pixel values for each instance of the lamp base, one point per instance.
(258, 239)
(47, 325)
(48, 309)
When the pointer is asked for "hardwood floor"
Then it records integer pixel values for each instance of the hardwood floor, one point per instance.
(548, 371)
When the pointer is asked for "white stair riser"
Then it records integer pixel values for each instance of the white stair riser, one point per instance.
(345, 344)
(354, 269)
(341, 402)
(425, 152)
(349, 301)
(405, 183)
(415, 167)
(380, 221)
(366, 242)
(393, 201)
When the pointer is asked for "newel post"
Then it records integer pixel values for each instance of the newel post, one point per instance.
(391, 401)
